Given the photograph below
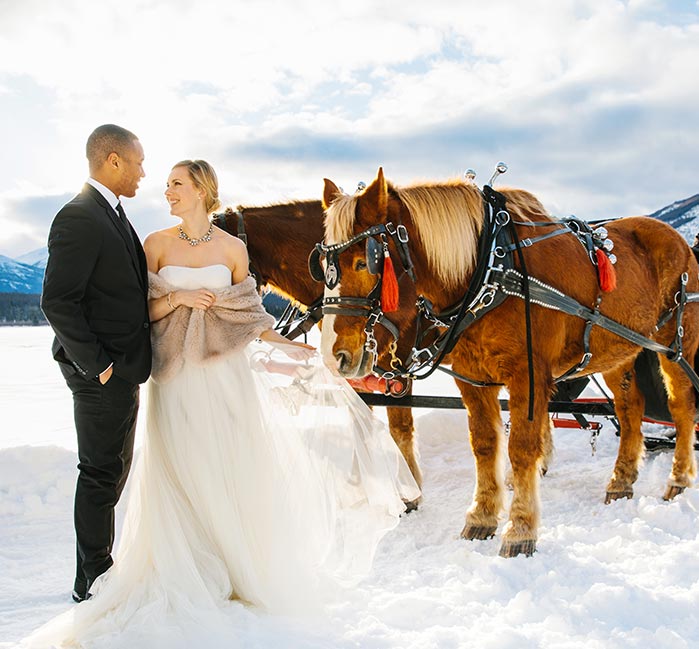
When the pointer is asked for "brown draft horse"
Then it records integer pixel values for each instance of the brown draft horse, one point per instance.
(443, 221)
(279, 238)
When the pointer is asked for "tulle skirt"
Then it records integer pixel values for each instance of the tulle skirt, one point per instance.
(261, 482)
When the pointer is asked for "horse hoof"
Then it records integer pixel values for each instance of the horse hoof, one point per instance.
(671, 491)
(618, 495)
(411, 505)
(509, 550)
(478, 532)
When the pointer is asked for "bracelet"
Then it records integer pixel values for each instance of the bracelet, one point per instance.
(172, 308)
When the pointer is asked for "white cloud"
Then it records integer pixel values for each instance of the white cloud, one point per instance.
(581, 96)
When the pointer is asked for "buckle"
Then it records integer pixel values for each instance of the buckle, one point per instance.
(417, 354)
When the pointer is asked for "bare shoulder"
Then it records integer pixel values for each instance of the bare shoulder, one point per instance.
(155, 245)
(236, 254)
(226, 237)
(159, 238)
(231, 244)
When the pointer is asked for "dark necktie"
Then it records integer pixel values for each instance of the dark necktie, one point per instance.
(125, 227)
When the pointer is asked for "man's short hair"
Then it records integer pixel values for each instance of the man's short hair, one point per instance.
(106, 139)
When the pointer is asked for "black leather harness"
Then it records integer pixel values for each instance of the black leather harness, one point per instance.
(494, 280)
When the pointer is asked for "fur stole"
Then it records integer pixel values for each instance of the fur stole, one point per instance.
(199, 336)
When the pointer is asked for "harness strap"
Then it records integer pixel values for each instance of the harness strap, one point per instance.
(465, 379)
(528, 242)
(511, 282)
(308, 320)
(586, 357)
(495, 217)
(681, 299)
(527, 320)
(359, 306)
(399, 234)
(240, 226)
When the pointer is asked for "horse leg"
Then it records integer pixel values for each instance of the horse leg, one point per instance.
(487, 435)
(547, 457)
(400, 422)
(682, 407)
(548, 448)
(526, 449)
(628, 405)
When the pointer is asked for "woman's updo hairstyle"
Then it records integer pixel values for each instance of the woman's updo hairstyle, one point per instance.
(204, 178)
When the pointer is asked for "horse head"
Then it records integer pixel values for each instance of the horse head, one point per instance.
(368, 323)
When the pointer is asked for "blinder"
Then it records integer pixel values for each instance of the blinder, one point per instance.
(330, 275)
(314, 266)
(374, 256)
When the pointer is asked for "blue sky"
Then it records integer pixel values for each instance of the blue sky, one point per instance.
(592, 103)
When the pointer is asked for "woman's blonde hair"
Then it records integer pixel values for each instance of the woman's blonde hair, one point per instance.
(204, 177)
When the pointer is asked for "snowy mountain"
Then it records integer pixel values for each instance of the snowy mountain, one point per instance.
(36, 258)
(16, 277)
(682, 215)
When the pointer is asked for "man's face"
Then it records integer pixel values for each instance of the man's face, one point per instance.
(131, 170)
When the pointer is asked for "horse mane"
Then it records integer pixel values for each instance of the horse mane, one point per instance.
(448, 218)
(339, 218)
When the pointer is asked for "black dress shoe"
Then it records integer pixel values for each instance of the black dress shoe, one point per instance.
(80, 597)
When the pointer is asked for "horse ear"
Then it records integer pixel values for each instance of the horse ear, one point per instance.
(330, 192)
(377, 193)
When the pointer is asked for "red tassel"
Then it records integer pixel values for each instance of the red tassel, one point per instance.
(389, 286)
(605, 272)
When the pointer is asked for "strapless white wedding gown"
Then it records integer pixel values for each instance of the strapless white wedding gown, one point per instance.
(260, 482)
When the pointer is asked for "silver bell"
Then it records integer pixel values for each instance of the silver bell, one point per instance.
(612, 258)
(600, 233)
(470, 175)
(361, 186)
(608, 245)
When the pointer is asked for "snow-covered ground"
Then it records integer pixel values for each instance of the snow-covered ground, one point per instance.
(618, 576)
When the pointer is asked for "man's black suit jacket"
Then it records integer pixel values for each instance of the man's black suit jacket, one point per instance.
(95, 292)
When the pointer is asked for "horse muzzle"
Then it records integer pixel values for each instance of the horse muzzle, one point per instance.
(354, 365)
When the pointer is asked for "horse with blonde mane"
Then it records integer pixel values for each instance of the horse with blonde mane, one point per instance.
(520, 343)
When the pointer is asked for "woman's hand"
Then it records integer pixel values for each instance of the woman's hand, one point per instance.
(200, 298)
(297, 351)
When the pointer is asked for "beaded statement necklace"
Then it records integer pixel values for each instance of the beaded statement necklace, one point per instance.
(195, 242)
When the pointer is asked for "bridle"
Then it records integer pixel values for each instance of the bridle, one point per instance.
(371, 306)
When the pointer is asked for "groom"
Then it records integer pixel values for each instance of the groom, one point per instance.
(95, 298)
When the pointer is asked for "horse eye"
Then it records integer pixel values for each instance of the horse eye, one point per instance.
(360, 264)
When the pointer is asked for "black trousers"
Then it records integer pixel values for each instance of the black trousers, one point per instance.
(105, 421)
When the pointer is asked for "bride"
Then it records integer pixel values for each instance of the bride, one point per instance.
(263, 479)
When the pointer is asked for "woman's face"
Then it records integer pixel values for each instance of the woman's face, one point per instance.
(181, 193)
